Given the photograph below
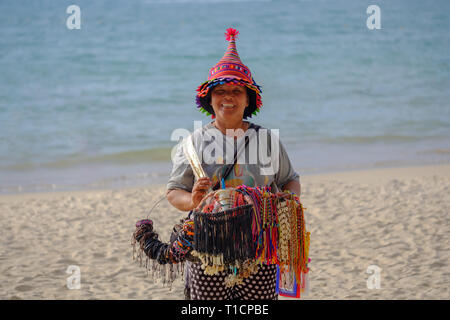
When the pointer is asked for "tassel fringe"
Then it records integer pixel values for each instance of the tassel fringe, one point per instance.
(233, 230)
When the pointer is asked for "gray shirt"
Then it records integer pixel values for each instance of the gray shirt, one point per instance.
(262, 162)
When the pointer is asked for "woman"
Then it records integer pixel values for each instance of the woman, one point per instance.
(230, 95)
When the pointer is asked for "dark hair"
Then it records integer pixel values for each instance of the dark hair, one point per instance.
(206, 103)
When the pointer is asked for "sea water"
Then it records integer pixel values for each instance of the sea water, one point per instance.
(96, 106)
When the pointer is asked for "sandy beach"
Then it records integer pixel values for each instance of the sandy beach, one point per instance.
(396, 219)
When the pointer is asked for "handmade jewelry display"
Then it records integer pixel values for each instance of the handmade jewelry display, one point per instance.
(235, 230)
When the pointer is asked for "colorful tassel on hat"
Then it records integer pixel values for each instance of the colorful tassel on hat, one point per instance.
(231, 34)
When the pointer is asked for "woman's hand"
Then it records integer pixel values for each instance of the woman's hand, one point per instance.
(200, 189)
(186, 201)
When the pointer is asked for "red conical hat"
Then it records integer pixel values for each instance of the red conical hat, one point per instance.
(230, 66)
(230, 69)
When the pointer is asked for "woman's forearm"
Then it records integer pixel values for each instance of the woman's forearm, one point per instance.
(293, 186)
(180, 199)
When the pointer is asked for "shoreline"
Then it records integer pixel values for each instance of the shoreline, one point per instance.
(349, 175)
(118, 174)
(384, 173)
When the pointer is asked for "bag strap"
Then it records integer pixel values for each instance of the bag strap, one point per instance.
(231, 166)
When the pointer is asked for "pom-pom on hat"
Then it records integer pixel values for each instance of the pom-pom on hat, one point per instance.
(230, 69)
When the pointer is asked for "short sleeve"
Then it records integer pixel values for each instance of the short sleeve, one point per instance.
(182, 176)
(286, 172)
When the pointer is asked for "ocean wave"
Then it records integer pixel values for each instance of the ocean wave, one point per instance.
(120, 158)
(436, 151)
(388, 138)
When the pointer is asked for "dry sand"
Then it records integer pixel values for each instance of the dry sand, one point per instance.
(396, 219)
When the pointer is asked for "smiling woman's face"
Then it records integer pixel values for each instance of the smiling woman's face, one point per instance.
(229, 102)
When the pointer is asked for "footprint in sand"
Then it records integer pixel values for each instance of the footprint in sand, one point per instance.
(23, 288)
